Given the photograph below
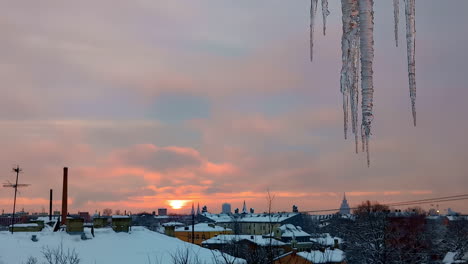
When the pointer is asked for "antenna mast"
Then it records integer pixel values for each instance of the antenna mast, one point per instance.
(15, 186)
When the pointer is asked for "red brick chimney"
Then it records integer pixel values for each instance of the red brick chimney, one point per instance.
(65, 196)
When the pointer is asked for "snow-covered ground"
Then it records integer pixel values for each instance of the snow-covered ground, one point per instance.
(107, 247)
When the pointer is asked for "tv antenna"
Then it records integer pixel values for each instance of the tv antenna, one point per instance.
(17, 170)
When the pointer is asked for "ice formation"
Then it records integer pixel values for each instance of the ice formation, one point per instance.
(357, 46)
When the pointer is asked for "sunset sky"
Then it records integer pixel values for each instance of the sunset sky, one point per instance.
(211, 101)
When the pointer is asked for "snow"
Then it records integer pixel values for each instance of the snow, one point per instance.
(289, 230)
(106, 247)
(327, 256)
(257, 239)
(202, 227)
(173, 224)
(450, 258)
(26, 225)
(120, 216)
(326, 240)
(250, 218)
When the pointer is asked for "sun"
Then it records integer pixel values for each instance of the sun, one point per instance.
(177, 204)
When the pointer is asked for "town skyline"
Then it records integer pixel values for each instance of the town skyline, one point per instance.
(152, 101)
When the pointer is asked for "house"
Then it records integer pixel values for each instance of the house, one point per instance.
(326, 241)
(293, 235)
(252, 223)
(169, 228)
(326, 256)
(254, 241)
(201, 232)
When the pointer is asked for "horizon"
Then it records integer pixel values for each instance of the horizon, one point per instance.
(155, 101)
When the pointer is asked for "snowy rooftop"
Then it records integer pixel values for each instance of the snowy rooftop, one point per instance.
(450, 258)
(289, 230)
(202, 227)
(326, 240)
(120, 216)
(327, 256)
(250, 218)
(173, 224)
(257, 239)
(26, 225)
(139, 246)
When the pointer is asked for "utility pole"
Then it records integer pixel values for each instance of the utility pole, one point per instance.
(17, 170)
(15, 186)
(193, 224)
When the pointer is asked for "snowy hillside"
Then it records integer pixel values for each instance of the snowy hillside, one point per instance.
(107, 247)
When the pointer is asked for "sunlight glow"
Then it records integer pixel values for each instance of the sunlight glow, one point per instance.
(177, 204)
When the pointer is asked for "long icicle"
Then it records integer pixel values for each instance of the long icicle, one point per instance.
(345, 54)
(349, 72)
(410, 10)
(325, 13)
(354, 91)
(313, 12)
(366, 32)
(396, 15)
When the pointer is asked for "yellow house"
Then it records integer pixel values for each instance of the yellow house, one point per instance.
(202, 232)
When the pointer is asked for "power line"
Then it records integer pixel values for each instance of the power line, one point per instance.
(406, 203)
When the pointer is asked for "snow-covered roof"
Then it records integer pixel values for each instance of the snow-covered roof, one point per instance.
(120, 216)
(138, 246)
(289, 230)
(173, 224)
(317, 256)
(326, 240)
(450, 258)
(202, 227)
(250, 218)
(257, 239)
(26, 225)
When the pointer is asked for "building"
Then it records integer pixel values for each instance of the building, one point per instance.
(327, 256)
(226, 208)
(201, 232)
(162, 211)
(250, 223)
(293, 235)
(252, 248)
(254, 240)
(344, 208)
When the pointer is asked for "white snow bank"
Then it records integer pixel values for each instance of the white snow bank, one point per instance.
(139, 246)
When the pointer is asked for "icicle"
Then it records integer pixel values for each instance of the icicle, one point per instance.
(313, 12)
(366, 32)
(410, 10)
(396, 15)
(349, 72)
(325, 13)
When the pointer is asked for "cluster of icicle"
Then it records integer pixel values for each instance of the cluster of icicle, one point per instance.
(357, 46)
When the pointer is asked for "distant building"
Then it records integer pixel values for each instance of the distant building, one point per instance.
(252, 224)
(85, 216)
(344, 208)
(226, 208)
(162, 211)
(202, 232)
(293, 235)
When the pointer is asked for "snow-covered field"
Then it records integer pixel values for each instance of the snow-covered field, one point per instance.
(107, 247)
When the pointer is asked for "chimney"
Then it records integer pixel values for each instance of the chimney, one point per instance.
(50, 206)
(65, 196)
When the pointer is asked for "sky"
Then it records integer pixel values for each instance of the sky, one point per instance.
(148, 101)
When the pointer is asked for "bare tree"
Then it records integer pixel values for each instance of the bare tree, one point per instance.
(60, 256)
(107, 212)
